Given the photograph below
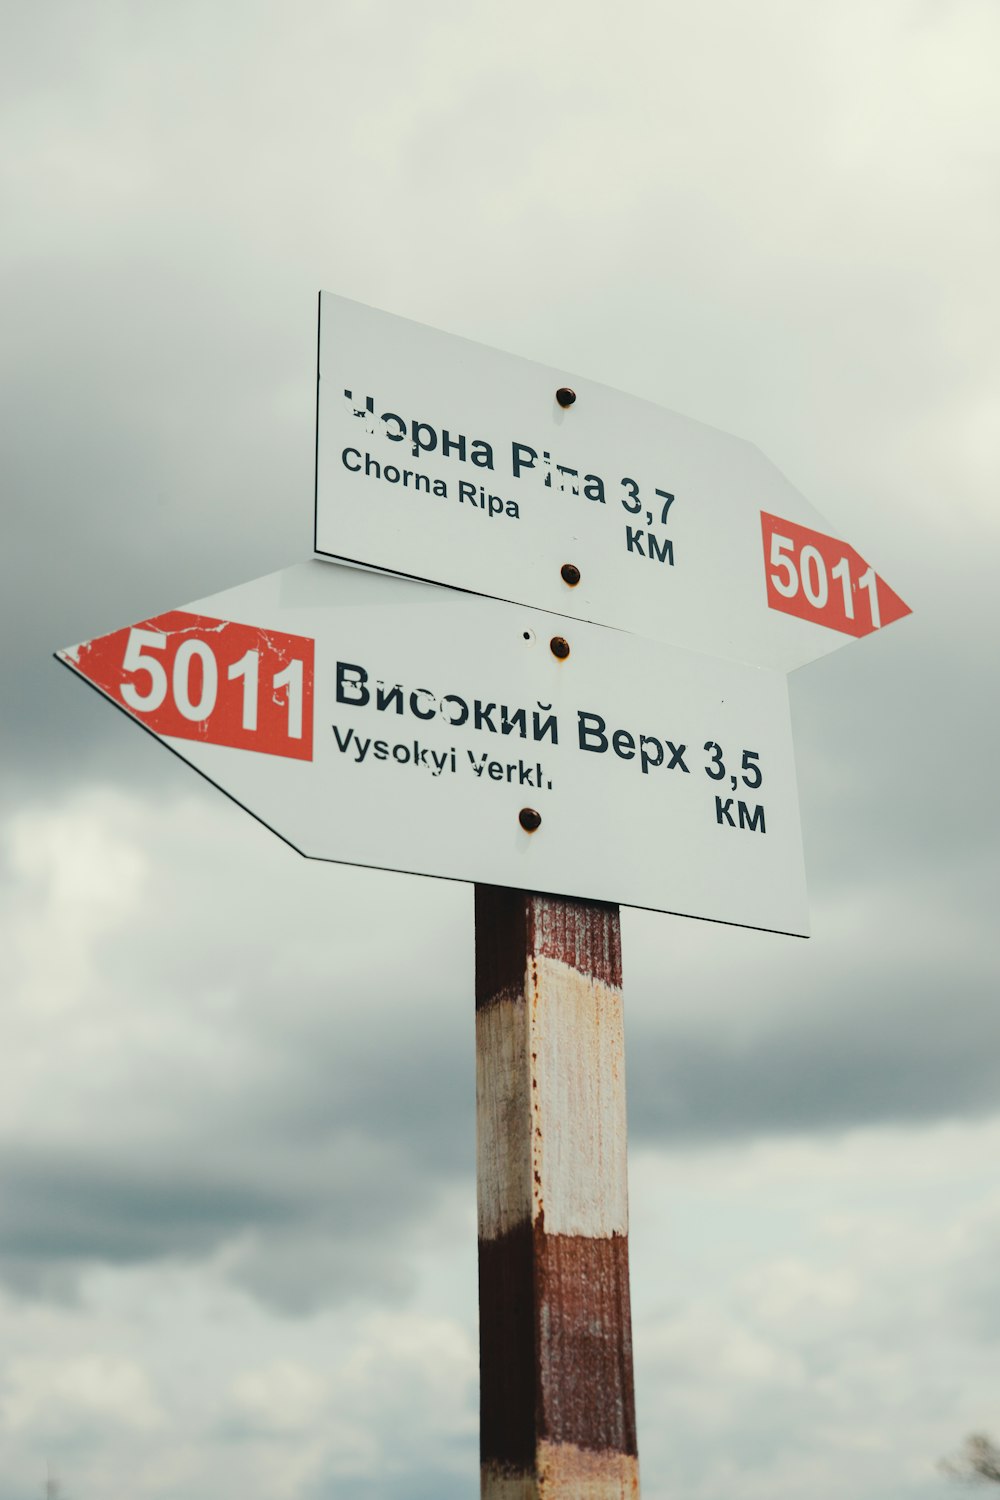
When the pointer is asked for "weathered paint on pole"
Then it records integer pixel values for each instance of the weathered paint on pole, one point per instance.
(557, 1406)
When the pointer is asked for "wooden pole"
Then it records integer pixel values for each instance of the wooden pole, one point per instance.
(557, 1408)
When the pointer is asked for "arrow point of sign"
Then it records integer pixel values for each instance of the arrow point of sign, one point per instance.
(891, 606)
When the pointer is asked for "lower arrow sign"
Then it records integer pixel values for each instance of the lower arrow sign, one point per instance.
(378, 721)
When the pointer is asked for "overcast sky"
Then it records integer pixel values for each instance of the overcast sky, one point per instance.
(237, 1182)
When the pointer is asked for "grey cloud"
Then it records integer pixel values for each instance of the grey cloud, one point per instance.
(332, 1141)
(73, 1209)
(326, 1145)
(900, 1029)
(302, 1230)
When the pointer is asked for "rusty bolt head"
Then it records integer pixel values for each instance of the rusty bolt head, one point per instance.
(565, 396)
(529, 819)
(570, 574)
(559, 646)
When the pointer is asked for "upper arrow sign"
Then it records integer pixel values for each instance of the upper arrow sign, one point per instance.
(445, 460)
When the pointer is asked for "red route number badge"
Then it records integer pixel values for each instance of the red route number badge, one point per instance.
(189, 677)
(817, 578)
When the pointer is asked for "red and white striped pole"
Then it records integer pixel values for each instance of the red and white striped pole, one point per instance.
(557, 1407)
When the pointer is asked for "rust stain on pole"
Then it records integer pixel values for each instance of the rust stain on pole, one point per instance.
(556, 1392)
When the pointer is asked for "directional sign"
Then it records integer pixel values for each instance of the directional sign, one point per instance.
(442, 459)
(377, 721)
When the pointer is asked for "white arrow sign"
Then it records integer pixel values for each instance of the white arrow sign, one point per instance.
(379, 722)
(442, 459)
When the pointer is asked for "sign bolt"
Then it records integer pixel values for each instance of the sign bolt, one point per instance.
(565, 396)
(570, 573)
(559, 646)
(529, 819)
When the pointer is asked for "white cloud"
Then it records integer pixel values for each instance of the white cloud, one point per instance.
(807, 1309)
(56, 1398)
(80, 875)
(283, 1397)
